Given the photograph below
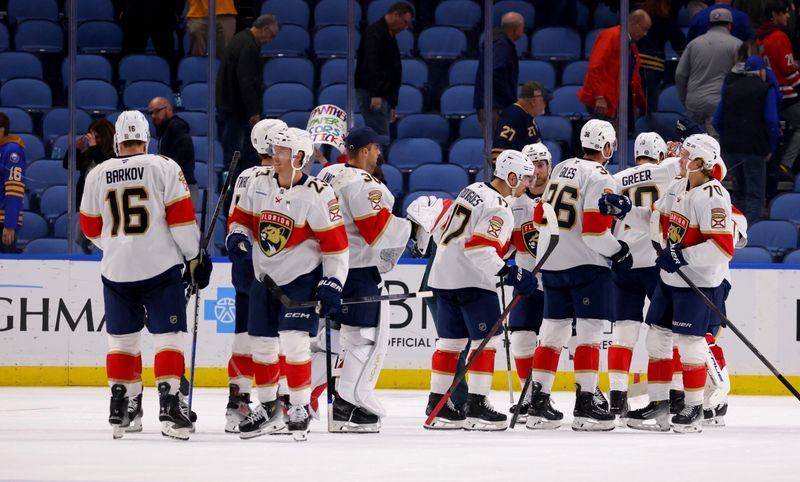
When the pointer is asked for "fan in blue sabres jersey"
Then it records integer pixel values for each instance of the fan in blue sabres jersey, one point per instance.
(516, 127)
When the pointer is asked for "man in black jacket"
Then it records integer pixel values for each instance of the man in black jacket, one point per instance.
(175, 141)
(240, 84)
(379, 70)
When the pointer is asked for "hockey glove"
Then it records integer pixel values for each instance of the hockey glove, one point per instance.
(329, 294)
(671, 258)
(521, 279)
(240, 252)
(616, 205)
(622, 259)
(198, 271)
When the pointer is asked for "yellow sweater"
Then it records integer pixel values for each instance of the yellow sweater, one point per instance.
(199, 8)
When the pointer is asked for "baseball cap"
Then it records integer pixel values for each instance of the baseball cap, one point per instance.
(720, 15)
(362, 137)
(754, 63)
(530, 88)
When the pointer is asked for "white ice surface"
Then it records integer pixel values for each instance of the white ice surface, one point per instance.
(63, 434)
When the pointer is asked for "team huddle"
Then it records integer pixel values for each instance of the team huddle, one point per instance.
(581, 240)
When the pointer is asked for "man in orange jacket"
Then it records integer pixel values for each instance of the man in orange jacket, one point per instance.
(600, 92)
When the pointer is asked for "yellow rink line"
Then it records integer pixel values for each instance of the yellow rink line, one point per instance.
(389, 378)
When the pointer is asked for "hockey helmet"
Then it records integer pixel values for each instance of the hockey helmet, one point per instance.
(649, 144)
(131, 125)
(260, 133)
(538, 152)
(595, 134)
(295, 139)
(511, 161)
(705, 147)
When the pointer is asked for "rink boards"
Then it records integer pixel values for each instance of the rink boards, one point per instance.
(52, 328)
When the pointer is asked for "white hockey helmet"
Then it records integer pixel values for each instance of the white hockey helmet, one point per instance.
(649, 144)
(705, 147)
(295, 139)
(260, 133)
(131, 125)
(596, 133)
(511, 161)
(538, 152)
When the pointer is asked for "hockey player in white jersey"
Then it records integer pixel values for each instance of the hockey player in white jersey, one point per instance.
(136, 207)
(240, 365)
(296, 223)
(472, 241)
(642, 184)
(697, 225)
(525, 320)
(577, 281)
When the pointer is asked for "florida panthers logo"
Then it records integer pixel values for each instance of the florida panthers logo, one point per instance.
(274, 230)
(530, 235)
(678, 225)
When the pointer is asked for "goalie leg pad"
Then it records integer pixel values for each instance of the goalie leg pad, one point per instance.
(265, 366)
(124, 362)
(169, 365)
(296, 346)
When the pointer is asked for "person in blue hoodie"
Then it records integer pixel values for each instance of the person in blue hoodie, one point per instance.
(12, 191)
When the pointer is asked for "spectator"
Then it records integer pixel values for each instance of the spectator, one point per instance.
(517, 127)
(703, 67)
(505, 68)
(779, 52)
(158, 19)
(12, 170)
(600, 92)
(240, 84)
(651, 47)
(747, 122)
(379, 70)
(197, 25)
(740, 27)
(175, 141)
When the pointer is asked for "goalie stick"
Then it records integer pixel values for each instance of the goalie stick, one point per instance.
(552, 226)
(655, 237)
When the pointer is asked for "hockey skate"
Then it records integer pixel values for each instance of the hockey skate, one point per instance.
(266, 418)
(481, 416)
(715, 417)
(676, 401)
(448, 418)
(237, 410)
(654, 417)
(542, 415)
(174, 416)
(284, 404)
(118, 413)
(135, 413)
(299, 421)
(600, 400)
(183, 398)
(588, 415)
(690, 420)
(619, 405)
(350, 418)
(523, 409)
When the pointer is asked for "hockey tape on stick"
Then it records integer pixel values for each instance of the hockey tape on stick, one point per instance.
(655, 237)
(551, 222)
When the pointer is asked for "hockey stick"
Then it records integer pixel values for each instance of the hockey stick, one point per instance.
(552, 225)
(507, 343)
(521, 398)
(329, 372)
(193, 290)
(655, 236)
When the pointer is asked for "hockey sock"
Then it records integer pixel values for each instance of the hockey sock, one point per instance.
(265, 367)
(240, 372)
(694, 351)
(443, 369)
(482, 370)
(587, 363)
(169, 365)
(545, 365)
(523, 344)
(122, 368)
(619, 365)
(283, 387)
(659, 376)
(296, 347)
(677, 370)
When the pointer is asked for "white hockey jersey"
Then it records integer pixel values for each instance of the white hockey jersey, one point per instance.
(374, 235)
(138, 210)
(472, 240)
(574, 191)
(701, 220)
(240, 186)
(643, 184)
(526, 234)
(292, 230)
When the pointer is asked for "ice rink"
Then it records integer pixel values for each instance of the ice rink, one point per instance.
(63, 434)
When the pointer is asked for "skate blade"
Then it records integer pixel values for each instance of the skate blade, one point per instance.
(300, 435)
(716, 422)
(117, 431)
(585, 424)
(134, 427)
(444, 424)
(478, 425)
(168, 429)
(266, 430)
(690, 428)
(622, 422)
(347, 427)
(539, 423)
(232, 427)
(282, 431)
(659, 424)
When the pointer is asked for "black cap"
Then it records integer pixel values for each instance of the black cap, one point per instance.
(362, 137)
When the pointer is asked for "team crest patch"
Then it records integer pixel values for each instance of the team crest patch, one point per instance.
(375, 198)
(14, 157)
(274, 230)
(334, 211)
(718, 218)
(678, 225)
(530, 236)
(495, 225)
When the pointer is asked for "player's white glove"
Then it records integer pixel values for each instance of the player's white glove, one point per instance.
(423, 212)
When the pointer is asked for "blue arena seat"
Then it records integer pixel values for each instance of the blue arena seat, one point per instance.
(96, 96)
(556, 43)
(290, 70)
(668, 101)
(405, 42)
(604, 17)
(197, 120)
(47, 246)
(99, 37)
(469, 127)
(444, 177)
(411, 196)
(415, 72)
(194, 96)
(61, 226)
(442, 43)
(293, 41)
(90, 66)
(793, 257)
(29, 94)
(409, 100)
(143, 67)
(555, 128)
(467, 153)
(588, 44)
(751, 254)
(39, 36)
(565, 103)
(195, 69)
(335, 94)
(409, 153)
(463, 14)
(60, 146)
(664, 123)
(33, 227)
(21, 10)
(53, 202)
(296, 118)
(524, 8)
(331, 41)
(294, 12)
(797, 183)
(786, 207)
(456, 101)
(286, 96)
(334, 71)
(334, 12)
(95, 10)
(24, 64)
(45, 173)
(201, 174)
(541, 71)
(137, 95)
(21, 121)
(773, 235)
(574, 73)
(462, 72)
(34, 148)
(394, 179)
(555, 151)
(201, 151)
(5, 38)
(430, 126)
